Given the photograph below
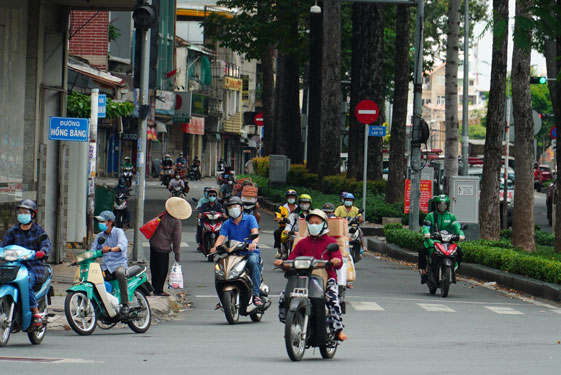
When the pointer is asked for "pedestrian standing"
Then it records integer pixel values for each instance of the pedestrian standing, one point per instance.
(166, 239)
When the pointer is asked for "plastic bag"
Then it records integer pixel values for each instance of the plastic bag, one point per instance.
(175, 280)
(351, 272)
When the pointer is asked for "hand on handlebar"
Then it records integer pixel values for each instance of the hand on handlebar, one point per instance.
(336, 262)
(278, 263)
(213, 250)
(462, 237)
(427, 235)
(252, 246)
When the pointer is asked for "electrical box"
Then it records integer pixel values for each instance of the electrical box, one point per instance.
(464, 198)
(278, 169)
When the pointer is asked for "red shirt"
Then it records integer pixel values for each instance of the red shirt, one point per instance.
(315, 247)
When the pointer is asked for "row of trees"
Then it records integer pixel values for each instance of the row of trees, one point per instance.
(370, 44)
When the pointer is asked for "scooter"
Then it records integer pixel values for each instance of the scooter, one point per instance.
(177, 191)
(194, 174)
(306, 313)
(89, 303)
(249, 206)
(120, 207)
(355, 238)
(442, 262)
(233, 283)
(15, 314)
(211, 224)
(287, 242)
(127, 174)
(166, 175)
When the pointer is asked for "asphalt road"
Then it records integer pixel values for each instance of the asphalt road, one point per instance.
(394, 325)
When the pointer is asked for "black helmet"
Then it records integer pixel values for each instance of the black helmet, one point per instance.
(122, 181)
(28, 204)
(234, 200)
(328, 207)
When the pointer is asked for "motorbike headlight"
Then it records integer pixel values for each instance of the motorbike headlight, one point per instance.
(302, 264)
(237, 270)
(218, 271)
(11, 255)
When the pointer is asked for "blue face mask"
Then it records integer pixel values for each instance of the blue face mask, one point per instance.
(212, 198)
(24, 218)
(348, 203)
(102, 226)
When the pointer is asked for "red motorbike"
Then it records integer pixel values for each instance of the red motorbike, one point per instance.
(211, 223)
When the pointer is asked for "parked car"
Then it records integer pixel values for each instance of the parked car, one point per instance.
(542, 173)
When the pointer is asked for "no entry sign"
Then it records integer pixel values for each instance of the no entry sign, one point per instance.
(366, 112)
(258, 119)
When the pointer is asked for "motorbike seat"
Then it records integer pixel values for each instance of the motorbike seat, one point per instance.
(48, 272)
(134, 270)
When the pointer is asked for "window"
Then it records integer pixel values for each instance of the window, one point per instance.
(440, 100)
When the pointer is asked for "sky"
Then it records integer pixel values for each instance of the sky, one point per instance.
(481, 56)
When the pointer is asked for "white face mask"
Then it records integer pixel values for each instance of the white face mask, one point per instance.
(315, 229)
(234, 212)
(291, 200)
(304, 206)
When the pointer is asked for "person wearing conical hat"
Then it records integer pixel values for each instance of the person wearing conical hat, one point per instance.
(167, 238)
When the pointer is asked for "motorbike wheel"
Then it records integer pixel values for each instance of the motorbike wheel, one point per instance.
(231, 300)
(80, 313)
(6, 305)
(256, 317)
(446, 279)
(355, 253)
(144, 316)
(105, 326)
(295, 334)
(119, 219)
(328, 350)
(36, 336)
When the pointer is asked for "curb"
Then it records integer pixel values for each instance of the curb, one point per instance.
(528, 285)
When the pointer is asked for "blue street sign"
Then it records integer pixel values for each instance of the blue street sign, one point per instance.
(101, 105)
(69, 129)
(376, 131)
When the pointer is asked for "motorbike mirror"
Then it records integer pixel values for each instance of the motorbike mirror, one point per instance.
(332, 247)
(195, 200)
(285, 220)
(361, 210)
(40, 238)
(101, 241)
(426, 223)
(463, 226)
(252, 236)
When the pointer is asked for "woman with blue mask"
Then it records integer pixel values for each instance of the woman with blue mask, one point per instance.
(348, 210)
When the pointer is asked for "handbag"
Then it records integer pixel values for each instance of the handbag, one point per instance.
(150, 227)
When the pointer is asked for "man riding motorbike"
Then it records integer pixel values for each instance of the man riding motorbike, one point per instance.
(304, 204)
(176, 181)
(181, 159)
(284, 211)
(436, 221)
(122, 188)
(238, 227)
(315, 245)
(349, 211)
(24, 234)
(329, 209)
(211, 205)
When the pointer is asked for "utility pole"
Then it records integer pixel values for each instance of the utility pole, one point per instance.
(143, 17)
(417, 117)
(92, 162)
(465, 113)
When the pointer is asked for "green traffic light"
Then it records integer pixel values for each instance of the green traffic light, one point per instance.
(543, 80)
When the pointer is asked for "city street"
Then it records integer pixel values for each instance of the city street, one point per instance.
(394, 325)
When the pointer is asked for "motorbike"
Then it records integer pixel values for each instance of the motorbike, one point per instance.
(120, 207)
(127, 174)
(211, 223)
(166, 175)
(15, 315)
(442, 262)
(194, 174)
(355, 237)
(177, 191)
(233, 283)
(92, 301)
(249, 206)
(306, 313)
(287, 242)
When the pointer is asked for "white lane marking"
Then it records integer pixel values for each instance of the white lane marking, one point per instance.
(435, 300)
(504, 310)
(435, 307)
(263, 246)
(147, 244)
(366, 306)
(215, 296)
(557, 311)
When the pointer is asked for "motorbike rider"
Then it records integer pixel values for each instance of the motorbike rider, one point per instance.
(127, 163)
(285, 210)
(176, 181)
(435, 221)
(167, 162)
(124, 189)
(227, 180)
(329, 209)
(200, 203)
(304, 204)
(196, 165)
(181, 159)
(225, 176)
(314, 245)
(211, 205)
(238, 227)
(24, 234)
(256, 213)
(349, 211)
(114, 262)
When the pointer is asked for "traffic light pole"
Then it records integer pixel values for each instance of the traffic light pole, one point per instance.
(417, 114)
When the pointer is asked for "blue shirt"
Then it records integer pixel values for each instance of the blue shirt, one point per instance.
(113, 259)
(241, 231)
(24, 238)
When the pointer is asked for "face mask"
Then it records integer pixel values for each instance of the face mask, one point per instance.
(234, 212)
(24, 218)
(304, 206)
(348, 203)
(102, 227)
(177, 177)
(212, 198)
(441, 207)
(315, 229)
(291, 200)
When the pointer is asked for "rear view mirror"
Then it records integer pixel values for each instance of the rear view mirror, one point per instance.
(252, 236)
(361, 210)
(286, 221)
(463, 226)
(40, 238)
(332, 247)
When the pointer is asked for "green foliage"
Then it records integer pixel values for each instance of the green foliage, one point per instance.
(542, 238)
(79, 105)
(338, 183)
(261, 166)
(114, 33)
(403, 237)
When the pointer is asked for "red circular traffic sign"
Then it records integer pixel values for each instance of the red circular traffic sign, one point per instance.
(367, 112)
(258, 119)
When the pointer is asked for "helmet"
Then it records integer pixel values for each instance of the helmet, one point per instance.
(234, 200)
(291, 192)
(181, 154)
(211, 190)
(328, 207)
(205, 191)
(304, 198)
(317, 212)
(246, 183)
(28, 204)
(442, 198)
(348, 196)
(167, 156)
(196, 157)
(127, 158)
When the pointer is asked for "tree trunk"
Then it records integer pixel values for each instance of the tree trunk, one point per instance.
(279, 141)
(523, 216)
(398, 163)
(451, 94)
(268, 99)
(489, 205)
(315, 69)
(557, 111)
(330, 136)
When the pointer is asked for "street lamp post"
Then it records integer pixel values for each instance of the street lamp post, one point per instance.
(465, 114)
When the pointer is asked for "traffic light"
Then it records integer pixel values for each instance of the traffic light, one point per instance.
(538, 80)
(144, 17)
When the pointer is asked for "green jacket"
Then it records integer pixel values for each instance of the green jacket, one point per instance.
(446, 221)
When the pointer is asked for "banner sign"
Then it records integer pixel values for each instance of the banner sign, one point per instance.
(426, 195)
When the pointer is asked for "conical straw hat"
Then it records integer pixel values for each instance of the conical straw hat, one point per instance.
(179, 208)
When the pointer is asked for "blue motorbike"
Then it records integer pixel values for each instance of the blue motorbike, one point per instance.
(15, 314)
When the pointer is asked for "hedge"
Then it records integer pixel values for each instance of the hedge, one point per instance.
(495, 254)
(542, 238)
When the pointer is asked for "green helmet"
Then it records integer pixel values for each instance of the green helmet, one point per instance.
(442, 198)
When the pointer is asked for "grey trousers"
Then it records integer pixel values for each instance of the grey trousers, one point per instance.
(121, 275)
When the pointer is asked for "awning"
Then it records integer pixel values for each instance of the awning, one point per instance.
(161, 127)
(97, 75)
